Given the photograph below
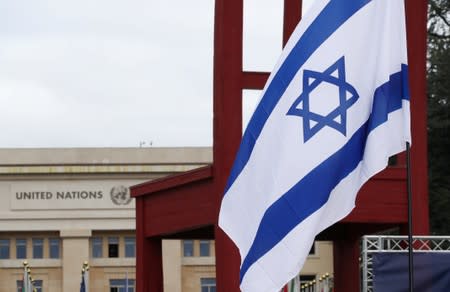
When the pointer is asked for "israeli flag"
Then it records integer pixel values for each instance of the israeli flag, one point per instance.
(333, 111)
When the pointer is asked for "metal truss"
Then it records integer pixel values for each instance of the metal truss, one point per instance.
(393, 243)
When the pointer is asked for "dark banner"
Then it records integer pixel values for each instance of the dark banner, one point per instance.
(431, 272)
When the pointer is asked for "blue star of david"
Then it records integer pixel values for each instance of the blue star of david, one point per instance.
(337, 118)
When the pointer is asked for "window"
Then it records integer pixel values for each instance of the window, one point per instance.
(37, 285)
(113, 247)
(130, 247)
(21, 248)
(4, 248)
(204, 248)
(19, 285)
(188, 248)
(312, 251)
(97, 247)
(392, 160)
(208, 284)
(120, 285)
(304, 279)
(38, 248)
(54, 248)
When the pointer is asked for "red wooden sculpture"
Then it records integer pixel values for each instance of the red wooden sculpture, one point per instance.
(187, 205)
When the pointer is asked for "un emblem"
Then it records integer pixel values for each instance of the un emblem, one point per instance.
(120, 195)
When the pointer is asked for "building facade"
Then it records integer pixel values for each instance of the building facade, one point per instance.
(62, 207)
(189, 265)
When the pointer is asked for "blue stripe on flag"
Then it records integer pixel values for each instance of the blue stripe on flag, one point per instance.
(326, 23)
(299, 203)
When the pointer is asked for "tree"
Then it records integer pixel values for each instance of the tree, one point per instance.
(438, 78)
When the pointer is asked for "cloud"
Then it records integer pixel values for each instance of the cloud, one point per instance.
(113, 73)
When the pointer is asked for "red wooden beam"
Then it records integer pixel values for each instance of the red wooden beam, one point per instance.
(227, 109)
(380, 201)
(416, 20)
(179, 209)
(154, 267)
(292, 15)
(169, 182)
(254, 80)
(346, 263)
(149, 270)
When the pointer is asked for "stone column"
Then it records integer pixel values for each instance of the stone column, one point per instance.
(75, 250)
(171, 250)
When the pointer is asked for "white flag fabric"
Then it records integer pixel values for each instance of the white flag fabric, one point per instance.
(333, 111)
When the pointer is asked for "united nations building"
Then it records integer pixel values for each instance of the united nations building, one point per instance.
(60, 208)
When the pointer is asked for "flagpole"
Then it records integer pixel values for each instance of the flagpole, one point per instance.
(85, 277)
(24, 276)
(410, 224)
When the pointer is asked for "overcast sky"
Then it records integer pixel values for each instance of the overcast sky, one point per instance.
(115, 73)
